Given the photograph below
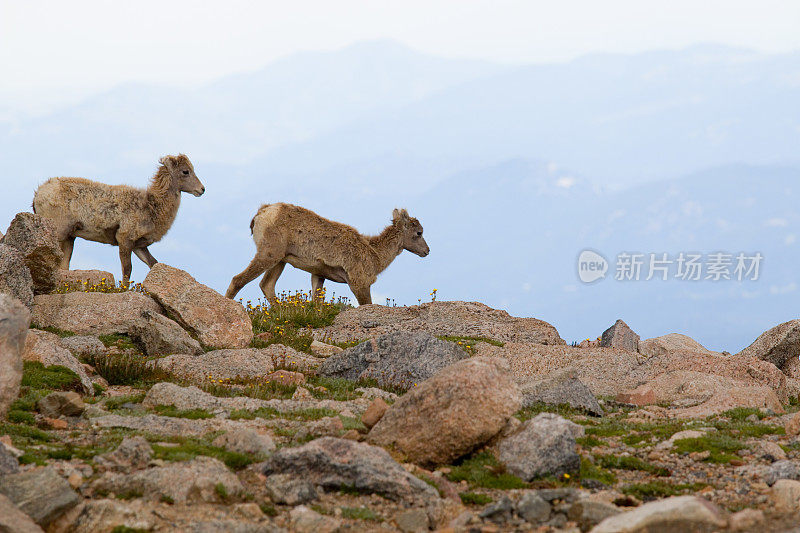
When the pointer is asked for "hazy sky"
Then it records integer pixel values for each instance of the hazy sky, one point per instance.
(54, 49)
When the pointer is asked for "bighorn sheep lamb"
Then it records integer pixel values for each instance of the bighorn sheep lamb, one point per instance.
(119, 215)
(286, 233)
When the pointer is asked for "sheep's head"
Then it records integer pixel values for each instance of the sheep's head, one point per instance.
(182, 172)
(411, 231)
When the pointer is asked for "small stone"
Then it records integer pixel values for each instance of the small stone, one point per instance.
(645, 397)
(786, 495)
(286, 377)
(75, 480)
(770, 451)
(533, 508)
(746, 520)
(305, 520)
(587, 513)
(8, 463)
(352, 434)
(53, 423)
(289, 490)
(246, 441)
(320, 349)
(57, 404)
(301, 393)
(133, 453)
(41, 494)
(545, 445)
(498, 512)
(793, 425)
(412, 520)
(782, 470)
(620, 335)
(374, 412)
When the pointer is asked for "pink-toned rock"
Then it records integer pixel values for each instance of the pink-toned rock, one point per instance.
(447, 416)
(471, 319)
(673, 342)
(778, 345)
(35, 237)
(14, 321)
(92, 313)
(643, 395)
(46, 348)
(286, 377)
(86, 277)
(217, 321)
(374, 412)
(792, 425)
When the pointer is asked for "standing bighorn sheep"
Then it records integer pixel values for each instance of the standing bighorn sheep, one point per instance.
(119, 215)
(286, 233)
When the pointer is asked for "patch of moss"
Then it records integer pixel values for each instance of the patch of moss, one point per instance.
(271, 413)
(474, 498)
(484, 470)
(360, 513)
(589, 470)
(590, 442)
(189, 448)
(655, 490)
(721, 447)
(25, 433)
(55, 377)
(16, 416)
(120, 340)
(118, 401)
(63, 333)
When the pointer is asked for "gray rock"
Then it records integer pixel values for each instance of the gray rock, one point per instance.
(246, 441)
(188, 482)
(166, 393)
(15, 278)
(290, 490)
(56, 404)
(41, 494)
(545, 445)
(83, 345)
(336, 463)
(399, 359)
(231, 526)
(561, 387)
(12, 520)
(8, 463)
(412, 520)
(133, 453)
(305, 520)
(499, 512)
(35, 237)
(533, 508)
(14, 321)
(620, 335)
(159, 425)
(161, 336)
(777, 345)
(679, 513)
(588, 514)
(782, 470)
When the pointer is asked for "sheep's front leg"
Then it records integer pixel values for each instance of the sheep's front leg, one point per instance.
(125, 258)
(144, 254)
(362, 294)
(316, 287)
(66, 248)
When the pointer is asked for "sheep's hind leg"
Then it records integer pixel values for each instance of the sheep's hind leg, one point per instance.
(125, 259)
(144, 254)
(269, 281)
(66, 249)
(260, 263)
(316, 287)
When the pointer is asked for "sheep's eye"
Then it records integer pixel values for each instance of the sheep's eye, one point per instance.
(185, 172)
(419, 234)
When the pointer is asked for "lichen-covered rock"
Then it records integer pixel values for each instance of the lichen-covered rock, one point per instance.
(451, 414)
(399, 359)
(76, 278)
(160, 336)
(216, 320)
(14, 321)
(60, 403)
(133, 453)
(335, 463)
(673, 342)
(460, 319)
(620, 335)
(185, 482)
(559, 388)
(35, 237)
(246, 441)
(92, 313)
(15, 277)
(41, 494)
(544, 445)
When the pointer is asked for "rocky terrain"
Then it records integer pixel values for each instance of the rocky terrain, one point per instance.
(166, 407)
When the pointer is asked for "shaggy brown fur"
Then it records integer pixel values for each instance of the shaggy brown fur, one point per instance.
(286, 233)
(118, 215)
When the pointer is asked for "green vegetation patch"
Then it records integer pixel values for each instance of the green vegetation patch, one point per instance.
(485, 471)
(721, 447)
(474, 498)
(655, 490)
(117, 402)
(119, 340)
(128, 370)
(189, 448)
(360, 513)
(564, 410)
(271, 413)
(192, 414)
(589, 470)
(60, 332)
(55, 377)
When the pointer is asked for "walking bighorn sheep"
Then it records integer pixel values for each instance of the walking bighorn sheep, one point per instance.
(119, 215)
(286, 233)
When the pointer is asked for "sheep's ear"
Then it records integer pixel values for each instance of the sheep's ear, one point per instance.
(399, 215)
(167, 161)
